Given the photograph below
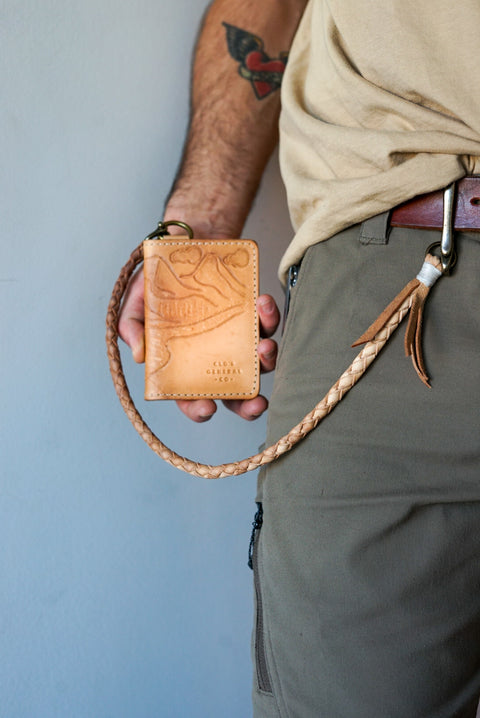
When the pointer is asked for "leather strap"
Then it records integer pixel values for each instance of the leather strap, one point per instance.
(426, 211)
(376, 338)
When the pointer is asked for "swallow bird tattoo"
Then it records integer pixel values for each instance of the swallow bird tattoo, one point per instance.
(263, 72)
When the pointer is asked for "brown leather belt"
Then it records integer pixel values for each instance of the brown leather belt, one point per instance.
(426, 210)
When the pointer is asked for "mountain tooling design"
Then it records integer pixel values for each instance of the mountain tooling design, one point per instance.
(195, 291)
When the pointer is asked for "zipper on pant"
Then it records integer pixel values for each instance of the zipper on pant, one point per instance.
(263, 677)
(292, 280)
(256, 526)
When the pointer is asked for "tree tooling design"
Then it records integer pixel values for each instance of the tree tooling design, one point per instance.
(263, 72)
(196, 291)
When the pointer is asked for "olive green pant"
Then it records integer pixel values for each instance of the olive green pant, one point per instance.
(367, 566)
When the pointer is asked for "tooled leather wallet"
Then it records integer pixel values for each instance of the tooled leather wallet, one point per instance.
(201, 324)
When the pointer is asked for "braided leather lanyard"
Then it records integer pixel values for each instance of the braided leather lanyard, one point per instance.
(412, 297)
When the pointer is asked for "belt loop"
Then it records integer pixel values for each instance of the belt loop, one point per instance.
(375, 230)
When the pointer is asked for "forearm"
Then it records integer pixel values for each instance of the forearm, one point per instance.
(232, 132)
(234, 116)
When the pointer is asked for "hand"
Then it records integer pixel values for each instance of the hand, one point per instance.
(131, 330)
(203, 409)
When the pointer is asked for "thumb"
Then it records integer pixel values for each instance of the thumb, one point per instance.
(131, 320)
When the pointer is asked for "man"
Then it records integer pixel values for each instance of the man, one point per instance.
(367, 570)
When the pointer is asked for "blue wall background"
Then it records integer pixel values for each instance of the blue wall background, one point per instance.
(124, 589)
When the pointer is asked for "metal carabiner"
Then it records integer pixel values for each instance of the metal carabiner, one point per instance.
(447, 247)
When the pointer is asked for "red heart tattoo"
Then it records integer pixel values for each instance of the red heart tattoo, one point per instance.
(261, 65)
(264, 73)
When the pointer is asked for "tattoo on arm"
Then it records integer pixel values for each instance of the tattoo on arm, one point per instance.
(263, 72)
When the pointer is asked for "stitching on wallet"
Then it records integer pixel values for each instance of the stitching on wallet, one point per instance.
(204, 243)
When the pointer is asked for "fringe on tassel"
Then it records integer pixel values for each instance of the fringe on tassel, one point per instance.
(418, 289)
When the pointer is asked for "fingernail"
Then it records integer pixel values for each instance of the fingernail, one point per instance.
(267, 305)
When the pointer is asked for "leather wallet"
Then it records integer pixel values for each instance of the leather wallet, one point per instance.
(201, 323)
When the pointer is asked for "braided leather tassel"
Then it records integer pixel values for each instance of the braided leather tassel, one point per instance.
(418, 290)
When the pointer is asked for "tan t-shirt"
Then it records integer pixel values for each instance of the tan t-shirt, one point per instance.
(380, 102)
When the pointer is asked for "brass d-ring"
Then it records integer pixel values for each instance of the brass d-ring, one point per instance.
(162, 229)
